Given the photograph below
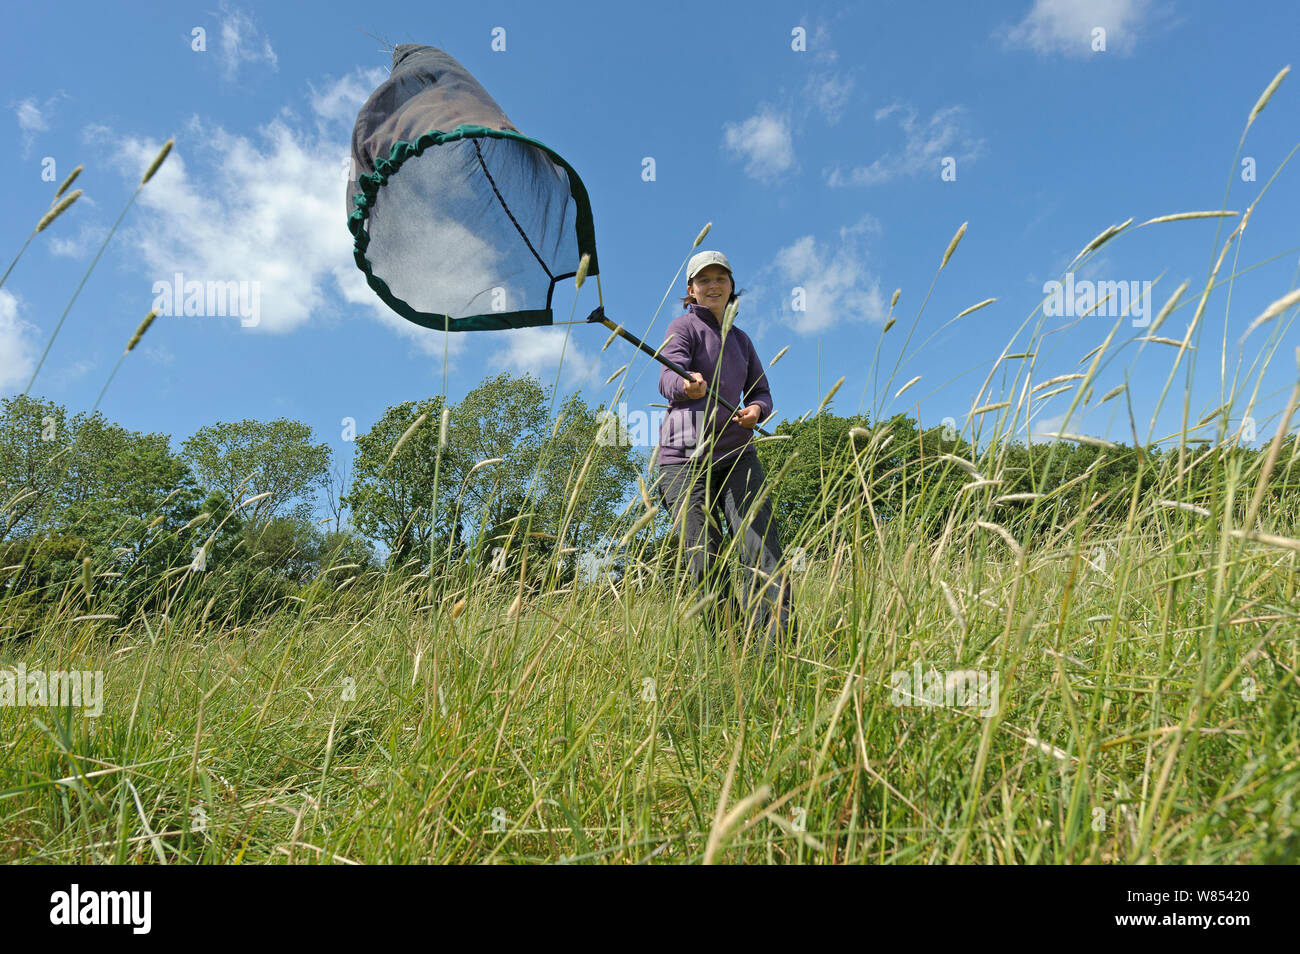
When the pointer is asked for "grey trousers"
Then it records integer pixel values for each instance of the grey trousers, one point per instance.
(699, 498)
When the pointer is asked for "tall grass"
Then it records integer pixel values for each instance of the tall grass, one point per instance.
(1147, 665)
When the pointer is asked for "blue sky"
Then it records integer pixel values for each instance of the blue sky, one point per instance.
(819, 168)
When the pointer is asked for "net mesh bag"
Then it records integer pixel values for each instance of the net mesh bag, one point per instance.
(460, 221)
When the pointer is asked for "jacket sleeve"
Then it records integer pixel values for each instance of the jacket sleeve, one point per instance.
(756, 389)
(671, 384)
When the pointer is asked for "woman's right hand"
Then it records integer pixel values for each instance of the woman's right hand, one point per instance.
(696, 388)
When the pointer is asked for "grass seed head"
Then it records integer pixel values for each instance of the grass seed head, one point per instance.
(640, 525)
(1054, 381)
(952, 246)
(963, 464)
(158, 161)
(1106, 235)
(1272, 311)
(984, 304)
(830, 394)
(729, 314)
(201, 518)
(1007, 538)
(1167, 308)
(1265, 96)
(1184, 216)
(58, 210)
(907, 385)
(405, 434)
(139, 332)
(1080, 439)
(72, 177)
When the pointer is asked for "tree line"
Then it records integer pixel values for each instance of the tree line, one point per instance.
(98, 516)
(919, 475)
(104, 520)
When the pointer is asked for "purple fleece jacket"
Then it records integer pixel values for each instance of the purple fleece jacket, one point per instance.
(695, 342)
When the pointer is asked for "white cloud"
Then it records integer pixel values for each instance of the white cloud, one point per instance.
(1037, 430)
(17, 344)
(242, 42)
(830, 92)
(1097, 268)
(925, 144)
(821, 43)
(263, 211)
(827, 88)
(267, 208)
(537, 350)
(764, 142)
(1044, 430)
(159, 354)
(1066, 26)
(30, 119)
(78, 246)
(837, 285)
(342, 99)
(33, 118)
(66, 374)
(1041, 428)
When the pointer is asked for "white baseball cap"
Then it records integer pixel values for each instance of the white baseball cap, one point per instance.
(703, 260)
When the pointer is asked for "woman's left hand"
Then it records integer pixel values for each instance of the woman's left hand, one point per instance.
(748, 418)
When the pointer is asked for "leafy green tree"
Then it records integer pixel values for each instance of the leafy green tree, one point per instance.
(32, 434)
(344, 547)
(249, 458)
(121, 482)
(582, 480)
(390, 498)
(819, 458)
(288, 547)
(135, 519)
(531, 492)
(103, 492)
(557, 486)
(504, 417)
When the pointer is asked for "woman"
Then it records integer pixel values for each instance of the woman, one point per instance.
(707, 460)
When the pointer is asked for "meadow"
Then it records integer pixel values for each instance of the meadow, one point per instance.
(1145, 656)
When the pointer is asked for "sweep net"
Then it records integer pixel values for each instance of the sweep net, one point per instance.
(458, 219)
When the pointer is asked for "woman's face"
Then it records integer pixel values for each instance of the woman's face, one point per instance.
(711, 288)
